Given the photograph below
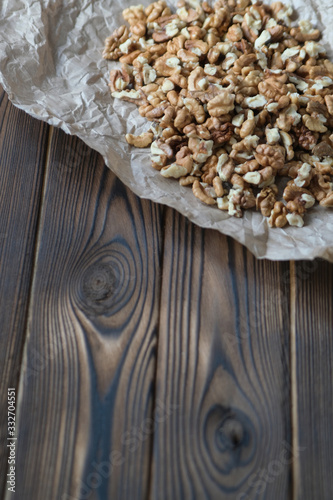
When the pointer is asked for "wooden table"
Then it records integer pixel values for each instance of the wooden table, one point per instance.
(151, 359)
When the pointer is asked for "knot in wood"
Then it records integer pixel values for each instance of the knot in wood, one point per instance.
(98, 283)
(230, 433)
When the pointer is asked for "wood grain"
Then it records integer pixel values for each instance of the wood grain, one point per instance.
(154, 366)
(22, 158)
(313, 341)
(222, 372)
(88, 382)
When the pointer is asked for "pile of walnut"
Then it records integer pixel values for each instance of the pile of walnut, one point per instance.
(238, 97)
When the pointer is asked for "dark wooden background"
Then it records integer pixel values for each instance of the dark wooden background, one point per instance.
(151, 359)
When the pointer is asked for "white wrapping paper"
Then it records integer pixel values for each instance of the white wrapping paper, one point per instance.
(51, 66)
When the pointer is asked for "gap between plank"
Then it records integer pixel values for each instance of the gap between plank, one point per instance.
(293, 385)
(7, 495)
(150, 474)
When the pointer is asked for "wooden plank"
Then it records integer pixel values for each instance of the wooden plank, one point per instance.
(23, 142)
(313, 380)
(222, 371)
(89, 366)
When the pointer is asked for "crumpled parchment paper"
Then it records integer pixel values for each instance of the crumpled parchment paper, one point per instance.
(51, 67)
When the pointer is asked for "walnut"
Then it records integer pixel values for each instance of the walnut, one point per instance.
(250, 34)
(136, 18)
(270, 156)
(156, 10)
(221, 104)
(195, 109)
(189, 15)
(173, 98)
(176, 44)
(167, 132)
(244, 150)
(183, 118)
(159, 147)
(323, 149)
(150, 88)
(298, 199)
(159, 161)
(246, 167)
(174, 170)
(197, 80)
(119, 80)
(168, 118)
(252, 177)
(243, 46)
(220, 19)
(328, 200)
(186, 56)
(229, 61)
(198, 47)
(198, 131)
(303, 36)
(213, 55)
(295, 219)
(148, 74)
(208, 95)
(238, 182)
(266, 199)
(157, 112)
(201, 149)
(234, 200)
(329, 103)
(234, 33)
(130, 95)
(222, 133)
(325, 166)
(176, 142)
(276, 33)
(248, 126)
(166, 65)
(140, 141)
(278, 216)
(315, 106)
(188, 180)
(168, 27)
(111, 48)
(272, 87)
(306, 139)
(262, 118)
(226, 171)
(248, 199)
(314, 124)
(179, 80)
(184, 158)
(196, 33)
(244, 61)
(156, 98)
(288, 144)
(320, 186)
(218, 187)
(157, 50)
(288, 118)
(267, 177)
(272, 135)
(200, 193)
(134, 13)
(209, 169)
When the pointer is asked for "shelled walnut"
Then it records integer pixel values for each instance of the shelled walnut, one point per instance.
(239, 97)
